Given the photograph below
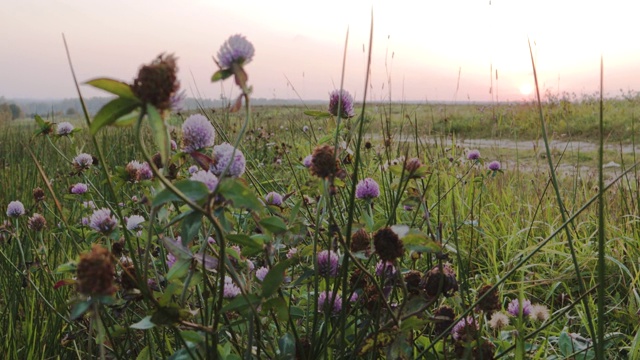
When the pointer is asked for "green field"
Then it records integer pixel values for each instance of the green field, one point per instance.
(430, 231)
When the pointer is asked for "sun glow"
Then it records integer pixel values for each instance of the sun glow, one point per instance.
(526, 89)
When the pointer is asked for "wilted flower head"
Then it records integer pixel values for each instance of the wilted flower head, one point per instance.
(361, 241)
(325, 299)
(95, 272)
(102, 221)
(498, 320)
(82, 161)
(323, 162)
(539, 312)
(307, 160)
(37, 222)
(514, 307)
(465, 330)
(64, 128)
(15, 209)
(38, 194)
(443, 317)
(328, 263)
(134, 222)
(367, 189)
(388, 244)
(237, 49)
(157, 82)
(226, 155)
(473, 155)
(197, 133)
(78, 189)
(207, 178)
(494, 165)
(441, 279)
(273, 198)
(343, 99)
(491, 301)
(261, 273)
(231, 290)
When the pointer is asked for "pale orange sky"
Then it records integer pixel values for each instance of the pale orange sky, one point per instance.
(419, 47)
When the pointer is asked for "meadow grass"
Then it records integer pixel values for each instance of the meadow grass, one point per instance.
(422, 265)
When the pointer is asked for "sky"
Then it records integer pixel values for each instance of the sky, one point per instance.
(456, 50)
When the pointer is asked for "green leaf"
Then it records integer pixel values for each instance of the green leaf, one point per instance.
(241, 303)
(111, 112)
(287, 345)
(144, 354)
(250, 245)
(178, 249)
(179, 269)
(419, 242)
(166, 315)
(80, 308)
(273, 224)
(126, 120)
(221, 75)
(194, 190)
(191, 336)
(274, 278)
(190, 227)
(239, 194)
(160, 132)
(279, 307)
(317, 114)
(115, 87)
(565, 344)
(143, 324)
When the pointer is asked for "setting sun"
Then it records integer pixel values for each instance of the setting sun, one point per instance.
(526, 89)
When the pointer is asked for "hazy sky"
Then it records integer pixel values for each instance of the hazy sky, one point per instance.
(423, 50)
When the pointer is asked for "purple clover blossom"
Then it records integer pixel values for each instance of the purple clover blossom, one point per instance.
(307, 161)
(345, 101)
(386, 268)
(197, 133)
(514, 307)
(325, 299)
(207, 178)
(236, 50)
(84, 221)
(88, 204)
(273, 198)
(473, 155)
(193, 169)
(223, 154)
(78, 189)
(83, 161)
(464, 327)
(144, 171)
(102, 221)
(494, 165)
(367, 189)
(15, 209)
(64, 128)
(328, 263)
(261, 273)
(292, 252)
(231, 290)
(134, 222)
(171, 259)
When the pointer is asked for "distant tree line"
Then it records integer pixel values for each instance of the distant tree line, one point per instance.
(9, 111)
